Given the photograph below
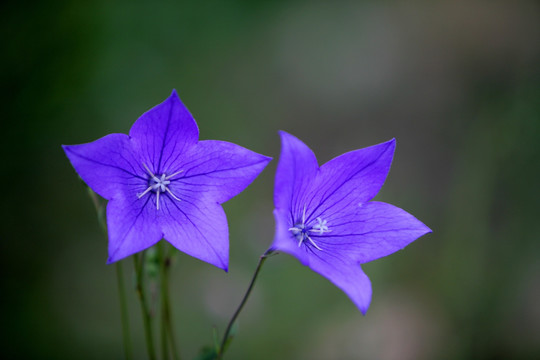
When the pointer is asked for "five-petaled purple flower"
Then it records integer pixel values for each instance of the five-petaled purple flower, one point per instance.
(324, 216)
(162, 182)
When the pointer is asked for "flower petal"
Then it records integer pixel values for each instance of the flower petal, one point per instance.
(106, 165)
(163, 133)
(348, 277)
(296, 171)
(219, 169)
(198, 228)
(352, 178)
(132, 226)
(373, 230)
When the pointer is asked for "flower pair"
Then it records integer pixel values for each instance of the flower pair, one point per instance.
(162, 182)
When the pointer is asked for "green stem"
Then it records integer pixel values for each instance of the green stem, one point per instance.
(168, 316)
(223, 345)
(123, 311)
(166, 323)
(147, 320)
(164, 347)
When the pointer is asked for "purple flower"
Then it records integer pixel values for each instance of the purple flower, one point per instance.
(162, 182)
(324, 216)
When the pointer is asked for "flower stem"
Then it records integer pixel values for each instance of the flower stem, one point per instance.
(167, 333)
(168, 316)
(147, 320)
(123, 311)
(162, 270)
(224, 342)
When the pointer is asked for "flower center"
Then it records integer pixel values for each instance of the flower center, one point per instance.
(159, 185)
(302, 231)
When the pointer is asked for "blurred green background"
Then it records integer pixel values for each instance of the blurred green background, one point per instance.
(456, 82)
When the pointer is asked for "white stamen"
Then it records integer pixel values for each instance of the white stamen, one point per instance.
(173, 175)
(313, 243)
(159, 185)
(144, 193)
(170, 193)
(151, 174)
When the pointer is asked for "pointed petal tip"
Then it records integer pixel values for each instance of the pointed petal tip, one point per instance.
(222, 261)
(225, 263)
(285, 135)
(69, 150)
(391, 143)
(266, 159)
(262, 158)
(423, 228)
(174, 96)
(363, 310)
(281, 133)
(291, 141)
(363, 304)
(222, 264)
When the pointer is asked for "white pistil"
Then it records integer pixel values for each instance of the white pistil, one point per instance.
(321, 226)
(159, 185)
(302, 231)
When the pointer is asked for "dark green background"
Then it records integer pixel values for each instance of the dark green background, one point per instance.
(457, 83)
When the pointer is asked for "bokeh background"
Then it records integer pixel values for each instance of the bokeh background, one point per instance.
(456, 82)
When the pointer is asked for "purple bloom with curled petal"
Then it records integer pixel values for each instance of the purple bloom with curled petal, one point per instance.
(324, 216)
(162, 182)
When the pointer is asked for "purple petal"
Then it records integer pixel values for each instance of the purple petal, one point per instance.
(348, 277)
(106, 165)
(198, 228)
(371, 231)
(163, 133)
(296, 171)
(352, 178)
(220, 170)
(132, 226)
